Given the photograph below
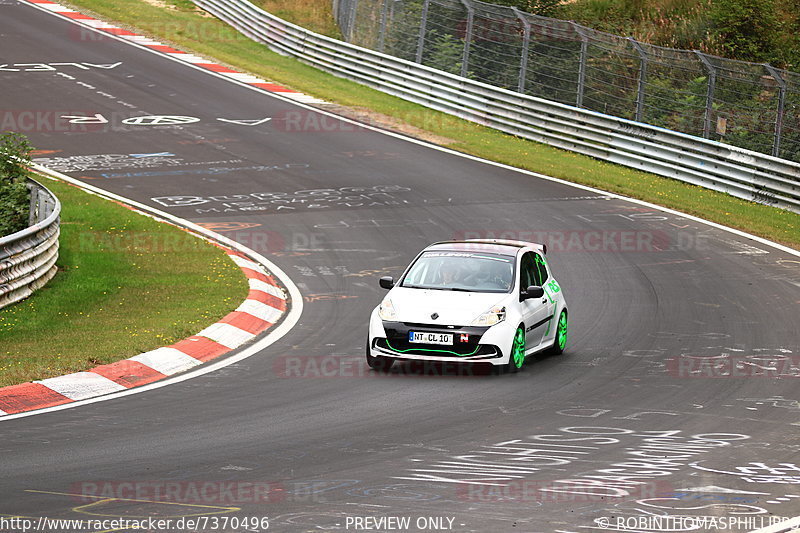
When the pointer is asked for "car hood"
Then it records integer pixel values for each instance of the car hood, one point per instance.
(455, 308)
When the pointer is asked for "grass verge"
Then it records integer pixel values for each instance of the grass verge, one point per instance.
(120, 291)
(181, 24)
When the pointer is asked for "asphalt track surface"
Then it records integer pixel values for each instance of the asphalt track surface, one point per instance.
(660, 406)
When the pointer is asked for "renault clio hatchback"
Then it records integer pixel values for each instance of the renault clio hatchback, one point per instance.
(473, 301)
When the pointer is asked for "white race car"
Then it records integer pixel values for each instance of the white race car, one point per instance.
(475, 301)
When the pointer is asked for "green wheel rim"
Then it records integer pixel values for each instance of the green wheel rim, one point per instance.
(518, 349)
(561, 334)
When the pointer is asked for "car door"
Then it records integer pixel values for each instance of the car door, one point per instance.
(534, 310)
(551, 289)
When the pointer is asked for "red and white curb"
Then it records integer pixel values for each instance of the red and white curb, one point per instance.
(168, 50)
(264, 306)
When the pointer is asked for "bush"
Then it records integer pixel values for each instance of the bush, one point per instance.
(14, 196)
(746, 29)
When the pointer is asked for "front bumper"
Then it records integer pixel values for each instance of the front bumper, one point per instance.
(391, 339)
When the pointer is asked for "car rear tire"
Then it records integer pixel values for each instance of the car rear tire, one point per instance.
(516, 358)
(560, 340)
(378, 362)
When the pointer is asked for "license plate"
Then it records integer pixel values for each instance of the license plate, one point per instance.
(430, 338)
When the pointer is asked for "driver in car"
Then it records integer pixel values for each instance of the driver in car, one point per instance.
(451, 274)
(490, 275)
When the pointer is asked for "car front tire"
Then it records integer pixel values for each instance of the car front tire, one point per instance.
(516, 359)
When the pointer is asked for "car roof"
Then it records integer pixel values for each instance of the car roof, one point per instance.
(498, 246)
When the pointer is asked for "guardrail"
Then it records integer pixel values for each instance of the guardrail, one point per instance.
(28, 257)
(736, 171)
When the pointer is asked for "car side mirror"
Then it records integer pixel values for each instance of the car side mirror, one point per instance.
(532, 292)
(386, 282)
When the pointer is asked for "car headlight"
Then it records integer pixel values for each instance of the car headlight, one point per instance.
(386, 311)
(491, 317)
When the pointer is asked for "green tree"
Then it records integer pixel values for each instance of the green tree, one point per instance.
(446, 54)
(746, 29)
(15, 156)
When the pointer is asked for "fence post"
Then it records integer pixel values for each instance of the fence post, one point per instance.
(776, 143)
(640, 91)
(526, 42)
(344, 17)
(582, 65)
(467, 37)
(382, 29)
(390, 21)
(337, 14)
(712, 81)
(353, 16)
(33, 206)
(423, 23)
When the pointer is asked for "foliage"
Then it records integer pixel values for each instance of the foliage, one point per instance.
(401, 41)
(14, 197)
(745, 29)
(748, 30)
(446, 54)
(546, 8)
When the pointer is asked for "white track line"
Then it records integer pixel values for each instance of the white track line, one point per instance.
(171, 363)
(296, 297)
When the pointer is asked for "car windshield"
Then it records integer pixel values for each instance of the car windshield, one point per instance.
(461, 271)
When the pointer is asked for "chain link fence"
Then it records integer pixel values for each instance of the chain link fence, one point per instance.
(749, 105)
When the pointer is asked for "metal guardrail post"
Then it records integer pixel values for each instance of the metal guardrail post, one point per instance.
(776, 143)
(582, 65)
(467, 37)
(526, 42)
(423, 27)
(33, 204)
(640, 91)
(712, 81)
